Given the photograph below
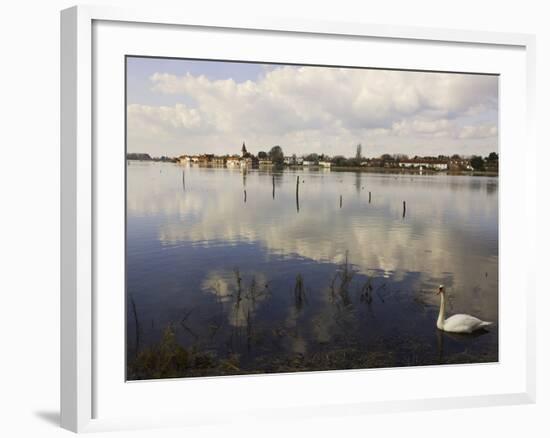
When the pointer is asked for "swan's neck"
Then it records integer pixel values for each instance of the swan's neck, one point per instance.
(441, 318)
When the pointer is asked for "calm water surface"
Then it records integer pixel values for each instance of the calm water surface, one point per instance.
(270, 279)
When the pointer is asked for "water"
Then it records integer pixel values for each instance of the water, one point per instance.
(263, 282)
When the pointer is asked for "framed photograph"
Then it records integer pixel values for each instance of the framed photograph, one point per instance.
(257, 208)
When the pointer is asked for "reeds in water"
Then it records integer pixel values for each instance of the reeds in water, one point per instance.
(136, 322)
(299, 292)
(341, 282)
(366, 292)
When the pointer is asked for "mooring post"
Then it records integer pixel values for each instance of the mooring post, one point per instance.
(245, 196)
(404, 208)
(369, 197)
(183, 178)
(340, 201)
(273, 186)
(297, 199)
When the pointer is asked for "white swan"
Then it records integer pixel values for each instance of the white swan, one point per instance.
(457, 323)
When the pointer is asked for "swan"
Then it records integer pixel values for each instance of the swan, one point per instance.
(457, 323)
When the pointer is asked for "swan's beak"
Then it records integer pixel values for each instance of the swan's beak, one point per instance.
(439, 291)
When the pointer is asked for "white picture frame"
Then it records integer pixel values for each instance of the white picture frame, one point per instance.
(84, 371)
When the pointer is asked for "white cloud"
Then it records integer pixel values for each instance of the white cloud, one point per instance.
(317, 109)
(437, 127)
(177, 116)
(479, 131)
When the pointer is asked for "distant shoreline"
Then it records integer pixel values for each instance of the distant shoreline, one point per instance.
(352, 169)
(415, 171)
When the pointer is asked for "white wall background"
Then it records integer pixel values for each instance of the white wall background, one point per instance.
(29, 217)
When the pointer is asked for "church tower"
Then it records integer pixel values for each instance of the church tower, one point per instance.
(244, 151)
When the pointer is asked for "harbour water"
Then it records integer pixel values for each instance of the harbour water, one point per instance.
(246, 273)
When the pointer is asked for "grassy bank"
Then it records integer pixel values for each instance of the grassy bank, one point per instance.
(168, 359)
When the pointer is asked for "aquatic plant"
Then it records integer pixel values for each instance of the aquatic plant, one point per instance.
(168, 359)
(340, 283)
(366, 292)
(299, 292)
(136, 322)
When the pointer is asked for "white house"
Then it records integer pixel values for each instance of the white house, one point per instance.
(415, 164)
(233, 162)
(293, 161)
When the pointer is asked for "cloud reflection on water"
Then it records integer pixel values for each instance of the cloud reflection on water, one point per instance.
(450, 231)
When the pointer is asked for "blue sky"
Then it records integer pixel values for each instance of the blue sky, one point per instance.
(192, 106)
(140, 70)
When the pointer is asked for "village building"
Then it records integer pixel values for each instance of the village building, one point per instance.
(187, 159)
(233, 161)
(246, 162)
(247, 159)
(206, 159)
(218, 161)
(293, 160)
(460, 164)
(424, 164)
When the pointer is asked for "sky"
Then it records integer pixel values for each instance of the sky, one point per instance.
(177, 107)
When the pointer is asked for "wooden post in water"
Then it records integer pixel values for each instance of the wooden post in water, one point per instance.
(245, 196)
(369, 197)
(404, 208)
(183, 179)
(297, 198)
(340, 201)
(136, 320)
(273, 186)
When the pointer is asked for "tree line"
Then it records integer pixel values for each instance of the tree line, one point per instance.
(276, 155)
